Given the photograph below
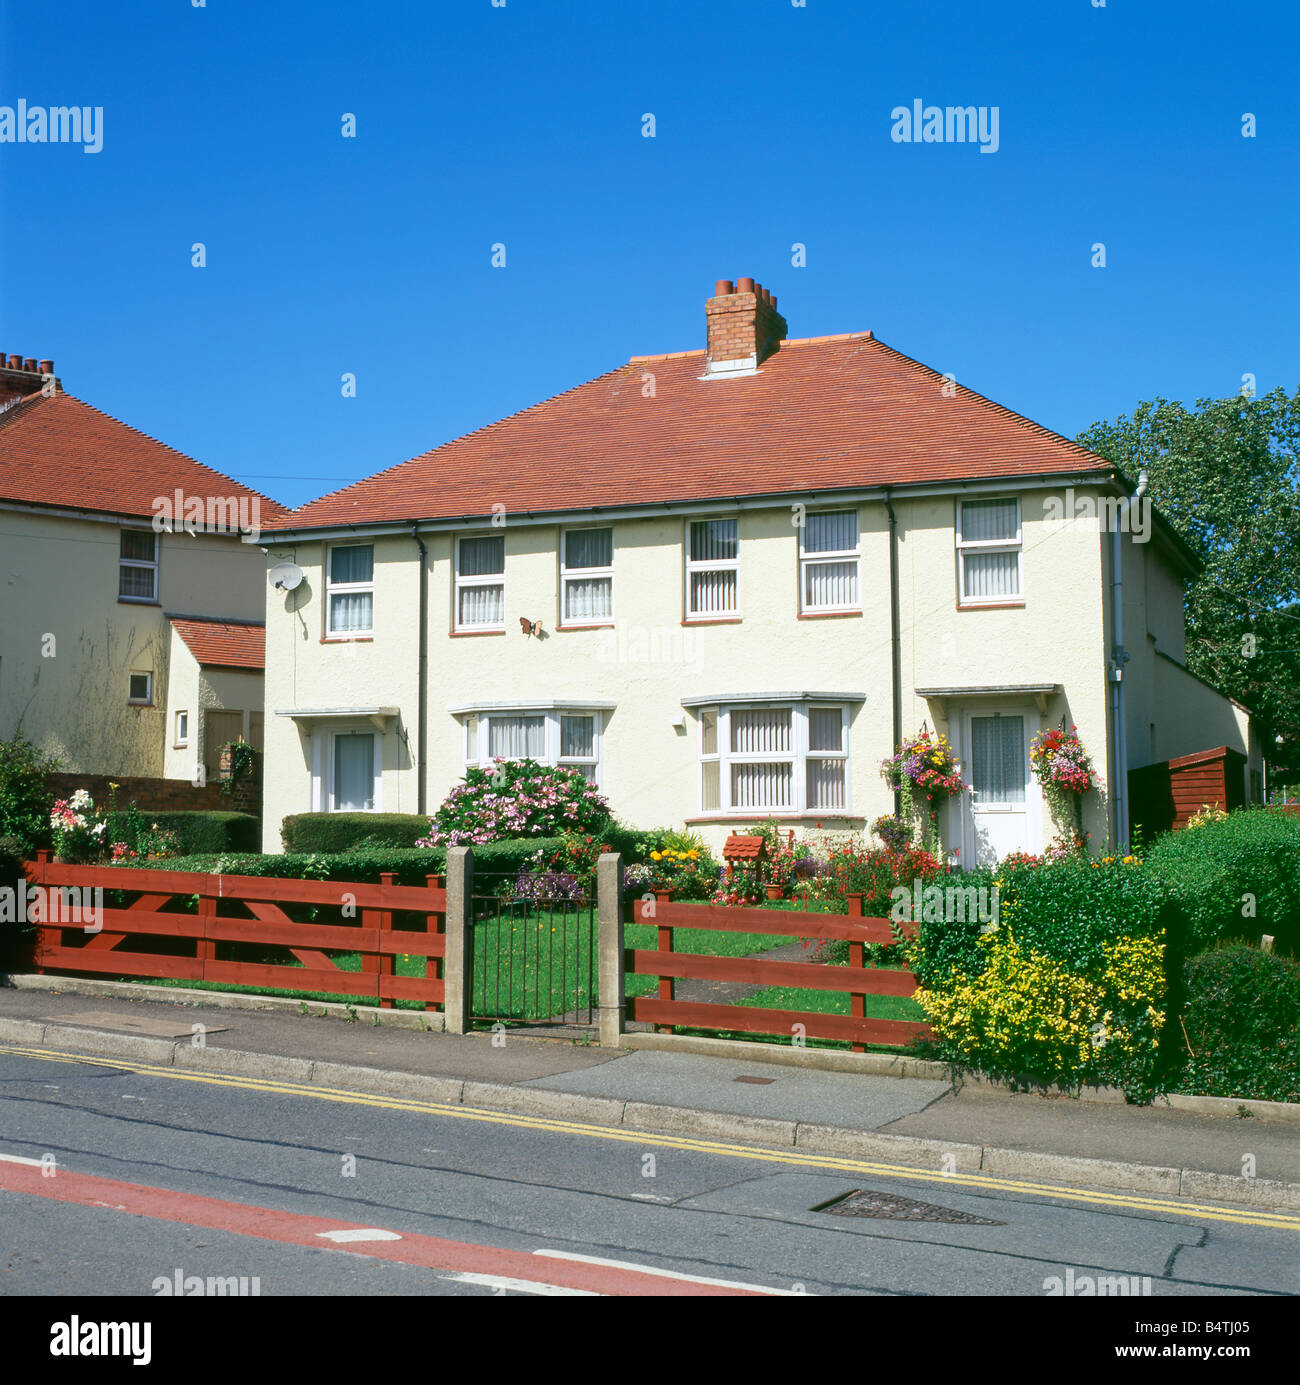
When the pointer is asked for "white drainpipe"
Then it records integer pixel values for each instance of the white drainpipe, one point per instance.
(1120, 657)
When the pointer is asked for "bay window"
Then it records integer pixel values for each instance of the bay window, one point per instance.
(568, 737)
(988, 552)
(773, 758)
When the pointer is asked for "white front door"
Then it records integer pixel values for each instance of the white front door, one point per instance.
(1002, 802)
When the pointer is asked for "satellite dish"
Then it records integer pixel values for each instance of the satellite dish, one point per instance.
(285, 576)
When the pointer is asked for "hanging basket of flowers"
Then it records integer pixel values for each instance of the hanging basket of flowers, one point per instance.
(925, 763)
(1061, 763)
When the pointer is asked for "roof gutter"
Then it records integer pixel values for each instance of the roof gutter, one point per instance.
(770, 500)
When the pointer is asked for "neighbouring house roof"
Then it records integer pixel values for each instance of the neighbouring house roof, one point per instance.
(222, 643)
(821, 414)
(61, 452)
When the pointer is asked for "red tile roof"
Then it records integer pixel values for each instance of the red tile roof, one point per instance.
(62, 452)
(222, 643)
(821, 414)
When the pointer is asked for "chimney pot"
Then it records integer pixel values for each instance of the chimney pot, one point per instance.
(47, 367)
(29, 363)
(744, 286)
(722, 288)
(15, 362)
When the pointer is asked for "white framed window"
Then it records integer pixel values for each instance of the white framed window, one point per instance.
(182, 729)
(586, 576)
(829, 556)
(481, 583)
(140, 689)
(568, 738)
(988, 552)
(350, 590)
(712, 568)
(137, 565)
(774, 758)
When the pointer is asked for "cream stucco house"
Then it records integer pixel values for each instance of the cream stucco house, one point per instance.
(722, 583)
(130, 610)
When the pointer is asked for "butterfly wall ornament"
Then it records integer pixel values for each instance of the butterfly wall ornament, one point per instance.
(530, 627)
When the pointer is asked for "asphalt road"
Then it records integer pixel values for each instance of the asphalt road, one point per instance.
(165, 1176)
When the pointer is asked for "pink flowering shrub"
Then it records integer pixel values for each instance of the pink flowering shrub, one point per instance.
(517, 798)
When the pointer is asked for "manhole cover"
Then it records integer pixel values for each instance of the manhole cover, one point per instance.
(757, 1081)
(892, 1207)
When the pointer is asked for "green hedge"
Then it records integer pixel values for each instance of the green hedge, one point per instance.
(1243, 1025)
(493, 862)
(1236, 878)
(1078, 982)
(349, 831)
(197, 832)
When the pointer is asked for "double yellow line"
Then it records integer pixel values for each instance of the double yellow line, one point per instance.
(1127, 1202)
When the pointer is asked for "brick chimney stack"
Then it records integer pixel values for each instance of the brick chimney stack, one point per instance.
(21, 376)
(744, 327)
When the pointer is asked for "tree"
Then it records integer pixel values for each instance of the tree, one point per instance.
(1227, 477)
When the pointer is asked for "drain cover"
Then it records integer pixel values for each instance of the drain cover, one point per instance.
(863, 1202)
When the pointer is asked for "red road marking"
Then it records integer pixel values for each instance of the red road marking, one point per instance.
(291, 1228)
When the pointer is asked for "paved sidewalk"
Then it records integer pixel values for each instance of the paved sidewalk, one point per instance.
(911, 1120)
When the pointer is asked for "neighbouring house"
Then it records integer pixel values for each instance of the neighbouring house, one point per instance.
(723, 583)
(130, 611)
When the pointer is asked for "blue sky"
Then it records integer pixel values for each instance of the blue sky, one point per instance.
(522, 124)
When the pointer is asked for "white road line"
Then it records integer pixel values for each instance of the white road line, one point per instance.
(360, 1233)
(667, 1274)
(520, 1286)
(18, 1159)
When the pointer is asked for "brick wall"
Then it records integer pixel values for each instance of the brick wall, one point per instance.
(161, 795)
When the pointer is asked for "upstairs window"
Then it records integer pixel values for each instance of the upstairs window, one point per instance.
(350, 590)
(587, 576)
(137, 566)
(712, 569)
(481, 583)
(140, 689)
(829, 554)
(988, 552)
(182, 729)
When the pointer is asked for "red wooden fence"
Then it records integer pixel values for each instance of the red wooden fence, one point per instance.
(236, 910)
(857, 979)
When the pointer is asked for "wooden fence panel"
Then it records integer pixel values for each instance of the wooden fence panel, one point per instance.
(119, 944)
(857, 979)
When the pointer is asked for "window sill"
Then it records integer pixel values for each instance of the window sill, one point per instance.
(141, 705)
(827, 615)
(469, 634)
(750, 815)
(990, 606)
(602, 625)
(183, 745)
(347, 639)
(713, 620)
(138, 601)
